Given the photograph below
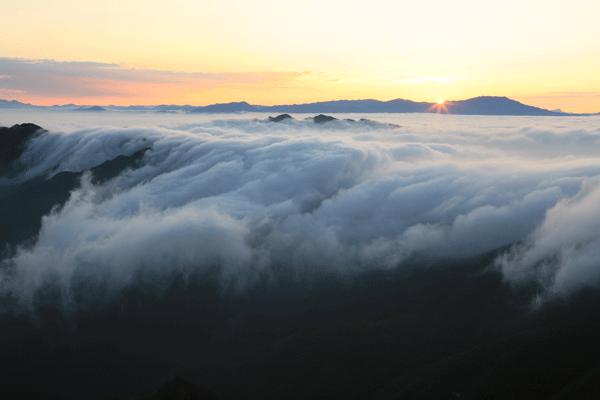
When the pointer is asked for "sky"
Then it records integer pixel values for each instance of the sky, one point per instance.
(545, 53)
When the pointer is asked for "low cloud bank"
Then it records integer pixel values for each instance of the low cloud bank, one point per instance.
(249, 197)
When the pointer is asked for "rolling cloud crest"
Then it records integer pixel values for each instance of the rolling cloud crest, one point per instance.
(248, 198)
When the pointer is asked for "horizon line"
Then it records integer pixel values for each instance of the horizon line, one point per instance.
(431, 103)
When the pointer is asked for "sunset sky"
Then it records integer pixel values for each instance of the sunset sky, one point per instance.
(545, 53)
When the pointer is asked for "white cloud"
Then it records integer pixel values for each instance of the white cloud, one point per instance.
(563, 254)
(249, 196)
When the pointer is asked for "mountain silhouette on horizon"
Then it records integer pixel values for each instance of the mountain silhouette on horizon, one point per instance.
(482, 105)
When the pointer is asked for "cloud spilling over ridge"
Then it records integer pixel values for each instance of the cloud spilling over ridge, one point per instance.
(248, 197)
(563, 254)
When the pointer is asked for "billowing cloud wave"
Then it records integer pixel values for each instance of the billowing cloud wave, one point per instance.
(250, 198)
(563, 254)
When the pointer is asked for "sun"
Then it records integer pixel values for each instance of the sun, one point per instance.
(440, 106)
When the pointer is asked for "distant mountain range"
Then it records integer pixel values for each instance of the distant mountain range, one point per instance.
(483, 105)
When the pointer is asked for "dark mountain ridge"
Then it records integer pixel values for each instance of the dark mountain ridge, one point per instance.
(12, 141)
(486, 105)
(482, 105)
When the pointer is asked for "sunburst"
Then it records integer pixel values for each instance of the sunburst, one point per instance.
(440, 106)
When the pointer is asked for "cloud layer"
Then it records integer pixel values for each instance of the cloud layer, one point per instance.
(90, 82)
(250, 198)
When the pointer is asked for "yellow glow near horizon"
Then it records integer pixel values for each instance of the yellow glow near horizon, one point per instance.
(546, 53)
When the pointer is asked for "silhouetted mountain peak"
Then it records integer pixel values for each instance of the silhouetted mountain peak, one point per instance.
(91, 108)
(321, 119)
(495, 105)
(13, 139)
(280, 117)
(236, 106)
(13, 104)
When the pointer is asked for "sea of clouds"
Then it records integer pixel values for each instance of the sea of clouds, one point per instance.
(249, 198)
